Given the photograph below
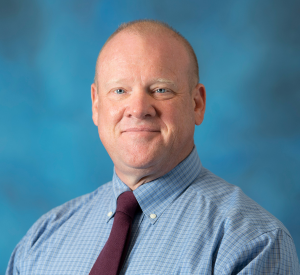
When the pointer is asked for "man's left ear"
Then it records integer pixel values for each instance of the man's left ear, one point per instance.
(94, 96)
(199, 101)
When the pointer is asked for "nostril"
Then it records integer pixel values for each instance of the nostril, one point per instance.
(140, 109)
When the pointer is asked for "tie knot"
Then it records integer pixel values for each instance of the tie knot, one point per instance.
(127, 203)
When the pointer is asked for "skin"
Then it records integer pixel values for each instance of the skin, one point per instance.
(145, 105)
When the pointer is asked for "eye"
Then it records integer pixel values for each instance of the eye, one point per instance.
(160, 91)
(119, 91)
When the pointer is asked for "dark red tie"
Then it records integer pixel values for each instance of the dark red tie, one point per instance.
(112, 256)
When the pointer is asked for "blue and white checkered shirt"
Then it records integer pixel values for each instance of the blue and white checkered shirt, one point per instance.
(191, 222)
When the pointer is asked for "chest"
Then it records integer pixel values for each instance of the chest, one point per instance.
(174, 244)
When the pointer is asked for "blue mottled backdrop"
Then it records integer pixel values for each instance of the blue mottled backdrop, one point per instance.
(49, 148)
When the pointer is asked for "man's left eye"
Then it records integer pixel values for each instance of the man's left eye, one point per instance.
(119, 91)
(160, 91)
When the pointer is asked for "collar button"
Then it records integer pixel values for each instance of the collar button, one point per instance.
(152, 216)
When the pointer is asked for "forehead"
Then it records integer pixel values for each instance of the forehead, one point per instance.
(134, 54)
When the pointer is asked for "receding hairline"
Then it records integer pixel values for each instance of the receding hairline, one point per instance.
(148, 26)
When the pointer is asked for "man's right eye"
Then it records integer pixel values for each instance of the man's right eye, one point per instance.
(119, 91)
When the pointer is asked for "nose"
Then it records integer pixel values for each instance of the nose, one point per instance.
(140, 105)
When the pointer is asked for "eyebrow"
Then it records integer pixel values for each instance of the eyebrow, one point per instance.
(164, 80)
(117, 80)
(153, 81)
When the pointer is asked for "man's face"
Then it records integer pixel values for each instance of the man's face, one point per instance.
(144, 105)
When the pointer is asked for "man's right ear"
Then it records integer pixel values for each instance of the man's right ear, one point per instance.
(199, 98)
(94, 95)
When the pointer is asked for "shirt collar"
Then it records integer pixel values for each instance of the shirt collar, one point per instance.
(118, 187)
(155, 196)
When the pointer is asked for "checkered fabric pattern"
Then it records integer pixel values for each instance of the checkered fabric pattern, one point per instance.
(190, 222)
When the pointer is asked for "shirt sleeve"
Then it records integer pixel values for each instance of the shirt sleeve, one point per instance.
(23, 247)
(273, 252)
(13, 261)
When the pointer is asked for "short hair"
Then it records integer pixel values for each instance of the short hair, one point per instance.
(146, 26)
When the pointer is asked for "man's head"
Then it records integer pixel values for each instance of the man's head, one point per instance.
(147, 101)
(145, 27)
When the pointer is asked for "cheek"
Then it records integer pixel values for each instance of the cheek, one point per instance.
(184, 126)
(110, 113)
(178, 116)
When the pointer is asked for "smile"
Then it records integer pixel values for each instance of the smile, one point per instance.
(140, 129)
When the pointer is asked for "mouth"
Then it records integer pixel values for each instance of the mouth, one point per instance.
(140, 129)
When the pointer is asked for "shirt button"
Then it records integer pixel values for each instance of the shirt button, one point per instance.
(109, 214)
(152, 216)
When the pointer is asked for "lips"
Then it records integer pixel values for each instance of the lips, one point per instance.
(140, 129)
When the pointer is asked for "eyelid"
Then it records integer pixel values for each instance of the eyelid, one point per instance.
(116, 89)
(167, 90)
(160, 89)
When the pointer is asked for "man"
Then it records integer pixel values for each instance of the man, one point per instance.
(146, 101)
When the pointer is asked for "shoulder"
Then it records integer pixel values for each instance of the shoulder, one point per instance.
(51, 222)
(56, 217)
(235, 208)
(248, 237)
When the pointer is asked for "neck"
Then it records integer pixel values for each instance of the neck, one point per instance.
(135, 177)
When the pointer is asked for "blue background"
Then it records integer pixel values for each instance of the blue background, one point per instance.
(49, 148)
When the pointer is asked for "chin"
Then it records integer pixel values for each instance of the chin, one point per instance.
(142, 160)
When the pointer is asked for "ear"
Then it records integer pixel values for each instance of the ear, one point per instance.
(94, 95)
(199, 101)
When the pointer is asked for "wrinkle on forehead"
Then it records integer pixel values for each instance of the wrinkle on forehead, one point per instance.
(151, 82)
(130, 55)
(146, 39)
